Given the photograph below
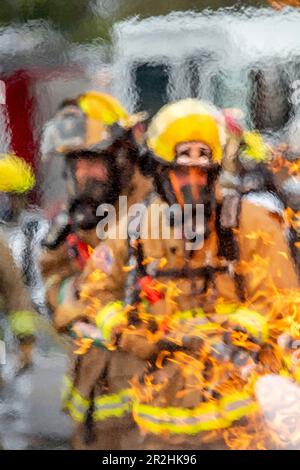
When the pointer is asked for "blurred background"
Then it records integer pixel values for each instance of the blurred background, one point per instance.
(243, 54)
(236, 54)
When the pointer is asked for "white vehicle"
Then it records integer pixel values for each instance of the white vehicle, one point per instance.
(244, 59)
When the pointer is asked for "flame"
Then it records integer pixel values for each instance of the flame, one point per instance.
(280, 4)
(215, 357)
(84, 344)
(260, 234)
(292, 218)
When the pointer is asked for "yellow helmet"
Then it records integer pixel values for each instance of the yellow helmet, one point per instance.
(85, 124)
(255, 147)
(16, 176)
(102, 107)
(184, 121)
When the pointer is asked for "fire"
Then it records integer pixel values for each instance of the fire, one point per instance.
(213, 359)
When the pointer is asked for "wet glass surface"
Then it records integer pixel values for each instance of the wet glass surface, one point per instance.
(237, 55)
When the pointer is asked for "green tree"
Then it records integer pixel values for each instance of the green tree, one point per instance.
(84, 20)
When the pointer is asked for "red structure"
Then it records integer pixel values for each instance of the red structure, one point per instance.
(20, 107)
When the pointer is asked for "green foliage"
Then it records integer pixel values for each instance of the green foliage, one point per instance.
(84, 20)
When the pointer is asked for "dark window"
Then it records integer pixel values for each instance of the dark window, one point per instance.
(151, 81)
(269, 98)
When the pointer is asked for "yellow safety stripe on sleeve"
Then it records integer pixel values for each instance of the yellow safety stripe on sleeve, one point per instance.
(206, 417)
(112, 405)
(22, 323)
(109, 318)
(189, 314)
(255, 323)
(206, 327)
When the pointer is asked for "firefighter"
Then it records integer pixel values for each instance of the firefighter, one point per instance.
(185, 272)
(284, 165)
(79, 136)
(16, 179)
(231, 268)
(99, 170)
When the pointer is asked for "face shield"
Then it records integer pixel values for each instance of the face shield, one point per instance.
(92, 179)
(94, 136)
(189, 182)
(99, 176)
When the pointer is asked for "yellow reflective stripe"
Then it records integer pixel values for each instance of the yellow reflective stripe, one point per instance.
(77, 415)
(101, 415)
(189, 314)
(113, 397)
(255, 323)
(118, 319)
(110, 317)
(223, 308)
(297, 374)
(112, 405)
(106, 406)
(73, 402)
(66, 390)
(238, 405)
(79, 400)
(110, 309)
(206, 327)
(206, 417)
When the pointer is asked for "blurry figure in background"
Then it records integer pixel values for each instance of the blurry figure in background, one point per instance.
(201, 272)
(86, 134)
(24, 227)
(246, 172)
(97, 138)
(269, 177)
(16, 179)
(285, 167)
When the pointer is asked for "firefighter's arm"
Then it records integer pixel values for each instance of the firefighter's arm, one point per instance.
(61, 274)
(265, 258)
(100, 288)
(17, 302)
(57, 267)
